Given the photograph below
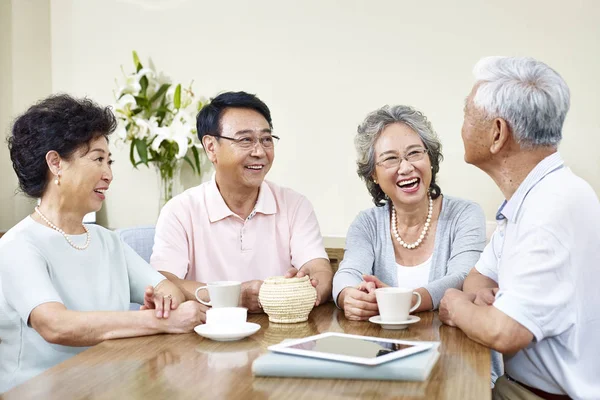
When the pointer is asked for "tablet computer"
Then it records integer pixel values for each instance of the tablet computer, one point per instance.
(366, 350)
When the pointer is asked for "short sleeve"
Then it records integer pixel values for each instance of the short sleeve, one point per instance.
(540, 293)
(488, 262)
(306, 242)
(171, 247)
(140, 274)
(25, 280)
(359, 256)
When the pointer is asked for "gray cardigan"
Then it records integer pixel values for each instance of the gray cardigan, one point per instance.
(459, 241)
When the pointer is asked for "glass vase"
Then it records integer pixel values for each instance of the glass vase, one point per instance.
(169, 181)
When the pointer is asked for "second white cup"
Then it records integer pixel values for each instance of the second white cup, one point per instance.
(221, 293)
(394, 303)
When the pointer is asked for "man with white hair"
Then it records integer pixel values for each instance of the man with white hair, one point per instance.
(533, 295)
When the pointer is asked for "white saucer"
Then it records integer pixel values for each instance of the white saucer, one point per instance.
(227, 333)
(394, 325)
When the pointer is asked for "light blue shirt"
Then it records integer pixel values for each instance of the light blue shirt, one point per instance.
(545, 256)
(38, 266)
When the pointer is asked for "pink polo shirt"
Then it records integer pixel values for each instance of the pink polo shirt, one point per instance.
(199, 238)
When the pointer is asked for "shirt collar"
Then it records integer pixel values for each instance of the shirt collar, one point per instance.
(217, 208)
(510, 208)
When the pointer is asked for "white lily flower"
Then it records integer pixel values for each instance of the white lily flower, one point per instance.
(124, 105)
(145, 128)
(121, 131)
(131, 85)
(175, 132)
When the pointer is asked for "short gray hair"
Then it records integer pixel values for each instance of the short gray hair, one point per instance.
(370, 130)
(529, 95)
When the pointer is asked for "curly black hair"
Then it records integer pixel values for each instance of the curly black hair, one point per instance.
(61, 123)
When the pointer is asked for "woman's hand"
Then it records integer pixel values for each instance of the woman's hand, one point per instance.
(373, 282)
(358, 303)
(187, 316)
(164, 298)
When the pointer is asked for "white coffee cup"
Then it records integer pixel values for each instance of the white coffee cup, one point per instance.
(394, 303)
(226, 316)
(222, 293)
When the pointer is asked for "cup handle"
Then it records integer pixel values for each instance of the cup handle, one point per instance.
(418, 302)
(204, 302)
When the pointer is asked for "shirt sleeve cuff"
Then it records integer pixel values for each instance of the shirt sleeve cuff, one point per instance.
(28, 309)
(511, 306)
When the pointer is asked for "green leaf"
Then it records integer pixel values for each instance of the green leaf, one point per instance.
(131, 155)
(136, 61)
(196, 158)
(162, 90)
(186, 158)
(177, 97)
(144, 85)
(142, 149)
(142, 101)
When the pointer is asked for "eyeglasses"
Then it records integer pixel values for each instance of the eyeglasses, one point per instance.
(249, 142)
(394, 160)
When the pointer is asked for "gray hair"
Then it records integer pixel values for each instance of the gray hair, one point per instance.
(529, 95)
(370, 130)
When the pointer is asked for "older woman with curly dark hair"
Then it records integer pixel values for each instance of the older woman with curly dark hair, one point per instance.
(414, 237)
(65, 285)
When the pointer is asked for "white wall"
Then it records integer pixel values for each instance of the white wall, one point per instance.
(321, 66)
(7, 180)
(25, 78)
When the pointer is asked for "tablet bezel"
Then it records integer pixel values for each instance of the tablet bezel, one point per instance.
(284, 347)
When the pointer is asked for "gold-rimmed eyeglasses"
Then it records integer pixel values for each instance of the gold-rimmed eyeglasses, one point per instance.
(249, 142)
(393, 159)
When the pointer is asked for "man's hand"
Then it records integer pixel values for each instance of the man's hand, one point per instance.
(358, 303)
(249, 296)
(485, 296)
(321, 277)
(293, 272)
(451, 302)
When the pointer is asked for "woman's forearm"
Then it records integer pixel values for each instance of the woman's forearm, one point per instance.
(58, 325)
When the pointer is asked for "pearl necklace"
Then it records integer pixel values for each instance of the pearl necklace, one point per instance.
(425, 228)
(57, 229)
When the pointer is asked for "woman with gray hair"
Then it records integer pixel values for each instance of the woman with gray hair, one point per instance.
(414, 237)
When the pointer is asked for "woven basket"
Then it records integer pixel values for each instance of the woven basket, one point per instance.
(287, 300)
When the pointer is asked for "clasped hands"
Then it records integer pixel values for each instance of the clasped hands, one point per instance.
(359, 303)
(453, 298)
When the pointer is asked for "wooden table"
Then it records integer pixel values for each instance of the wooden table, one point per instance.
(191, 367)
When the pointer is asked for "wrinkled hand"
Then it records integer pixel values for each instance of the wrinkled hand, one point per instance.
(485, 296)
(157, 300)
(358, 303)
(450, 303)
(188, 315)
(293, 272)
(249, 296)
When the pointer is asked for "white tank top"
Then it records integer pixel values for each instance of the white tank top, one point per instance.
(414, 277)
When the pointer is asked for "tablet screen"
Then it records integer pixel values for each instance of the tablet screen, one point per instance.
(351, 346)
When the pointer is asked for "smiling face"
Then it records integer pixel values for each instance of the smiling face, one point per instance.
(407, 182)
(236, 166)
(86, 176)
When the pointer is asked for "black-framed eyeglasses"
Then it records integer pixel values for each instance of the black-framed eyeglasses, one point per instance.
(394, 160)
(249, 142)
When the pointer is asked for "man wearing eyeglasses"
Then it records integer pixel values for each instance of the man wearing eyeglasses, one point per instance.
(238, 226)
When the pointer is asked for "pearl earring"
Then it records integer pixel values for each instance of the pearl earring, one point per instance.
(375, 181)
(57, 180)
